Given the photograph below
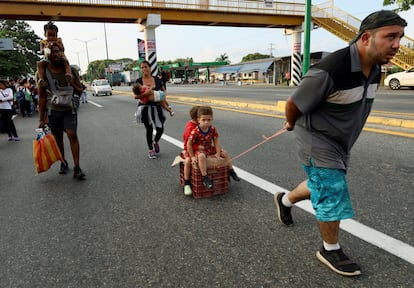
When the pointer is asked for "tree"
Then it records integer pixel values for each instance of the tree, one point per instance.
(403, 5)
(132, 65)
(184, 60)
(223, 58)
(255, 56)
(96, 69)
(22, 60)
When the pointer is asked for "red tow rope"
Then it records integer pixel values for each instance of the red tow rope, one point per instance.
(266, 139)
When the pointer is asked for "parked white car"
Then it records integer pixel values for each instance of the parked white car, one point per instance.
(101, 87)
(400, 79)
(176, 80)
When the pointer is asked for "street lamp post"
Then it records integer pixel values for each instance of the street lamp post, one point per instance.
(86, 45)
(77, 54)
(106, 44)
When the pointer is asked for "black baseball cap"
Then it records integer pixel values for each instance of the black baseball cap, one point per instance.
(379, 19)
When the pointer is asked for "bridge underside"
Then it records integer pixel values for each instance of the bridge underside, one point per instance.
(86, 13)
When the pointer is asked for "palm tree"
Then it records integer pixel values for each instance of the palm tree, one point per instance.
(223, 58)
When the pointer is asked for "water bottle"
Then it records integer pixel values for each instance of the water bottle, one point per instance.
(39, 133)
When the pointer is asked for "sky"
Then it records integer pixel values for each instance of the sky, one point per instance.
(202, 43)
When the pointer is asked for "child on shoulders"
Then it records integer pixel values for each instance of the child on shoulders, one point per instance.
(51, 31)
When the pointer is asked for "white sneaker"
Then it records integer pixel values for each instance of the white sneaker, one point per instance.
(152, 155)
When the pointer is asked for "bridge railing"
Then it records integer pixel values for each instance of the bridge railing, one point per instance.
(292, 7)
(328, 10)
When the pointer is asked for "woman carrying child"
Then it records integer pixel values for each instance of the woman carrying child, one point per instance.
(149, 111)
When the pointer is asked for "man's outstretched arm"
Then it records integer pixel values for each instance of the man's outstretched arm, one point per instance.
(292, 113)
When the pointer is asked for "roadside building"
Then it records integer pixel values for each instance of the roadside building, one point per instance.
(268, 70)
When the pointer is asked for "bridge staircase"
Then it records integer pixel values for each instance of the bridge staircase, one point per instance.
(346, 26)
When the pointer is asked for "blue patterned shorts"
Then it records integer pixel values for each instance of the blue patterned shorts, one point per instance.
(329, 193)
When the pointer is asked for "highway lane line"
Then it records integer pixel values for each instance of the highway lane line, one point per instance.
(94, 103)
(370, 235)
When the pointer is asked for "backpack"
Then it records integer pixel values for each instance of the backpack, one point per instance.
(20, 96)
(61, 96)
(28, 95)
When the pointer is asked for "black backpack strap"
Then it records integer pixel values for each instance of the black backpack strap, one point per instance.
(50, 80)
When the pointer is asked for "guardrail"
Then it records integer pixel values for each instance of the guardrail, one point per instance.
(293, 7)
(328, 10)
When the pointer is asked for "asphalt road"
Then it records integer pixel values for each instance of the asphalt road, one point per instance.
(399, 101)
(129, 225)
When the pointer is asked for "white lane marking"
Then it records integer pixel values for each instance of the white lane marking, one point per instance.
(370, 235)
(94, 103)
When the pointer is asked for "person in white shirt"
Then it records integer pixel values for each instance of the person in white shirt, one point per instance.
(6, 112)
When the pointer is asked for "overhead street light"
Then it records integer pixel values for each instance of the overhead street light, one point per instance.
(77, 54)
(86, 45)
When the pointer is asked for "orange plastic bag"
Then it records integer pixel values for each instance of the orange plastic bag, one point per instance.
(45, 151)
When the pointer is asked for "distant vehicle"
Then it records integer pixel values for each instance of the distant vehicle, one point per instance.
(129, 77)
(101, 87)
(400, 79)
(176, 80)
(193, 80)
(114, 79)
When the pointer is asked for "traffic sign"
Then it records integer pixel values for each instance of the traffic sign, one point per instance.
(6, 44)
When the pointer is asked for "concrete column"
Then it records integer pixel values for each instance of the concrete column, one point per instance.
(149, 26)
(204, 4)
(296, 59)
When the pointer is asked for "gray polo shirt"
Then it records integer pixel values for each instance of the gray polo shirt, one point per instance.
(335, 99)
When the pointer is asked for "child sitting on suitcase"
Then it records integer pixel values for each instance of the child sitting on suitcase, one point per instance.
(204, 147)
(191, 124)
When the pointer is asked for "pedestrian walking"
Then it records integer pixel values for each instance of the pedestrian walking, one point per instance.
(24, 98)
(287, 77)
(6, 110)
(327, 113)
(62, 115)
(84, 95)
(151, 113)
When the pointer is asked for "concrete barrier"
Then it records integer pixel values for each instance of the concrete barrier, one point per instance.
(279, 107)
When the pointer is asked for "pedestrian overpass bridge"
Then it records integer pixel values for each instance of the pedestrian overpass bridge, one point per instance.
(236, 13)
